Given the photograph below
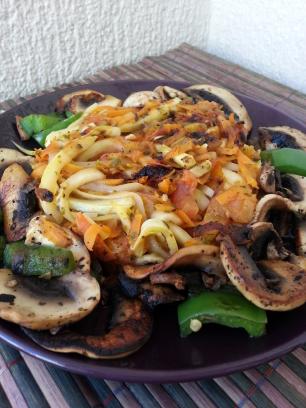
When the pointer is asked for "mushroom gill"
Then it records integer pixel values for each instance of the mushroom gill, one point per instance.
(79, 101)
(270, 284)
(18, 201)
(277, 137)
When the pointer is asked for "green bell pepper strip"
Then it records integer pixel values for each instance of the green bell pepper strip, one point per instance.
(225, 308)
(286, 160)
(63, 124)
(28, 260)
(35, 123)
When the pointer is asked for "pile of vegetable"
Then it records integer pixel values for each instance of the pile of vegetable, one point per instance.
(158, 199)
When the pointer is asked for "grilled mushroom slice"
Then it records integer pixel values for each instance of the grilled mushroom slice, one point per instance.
(79, 101)
(223, 97)
(10, 156)
(150, 294)
(287, 185)
(270, 284)
(276, 202)
(277, 137)
(42, 304)
(197, 255)
(266, 242)
(166, 92)
(17, 200)
(130, 329)
(139, 99)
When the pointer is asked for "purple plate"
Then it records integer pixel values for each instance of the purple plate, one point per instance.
(215, 350)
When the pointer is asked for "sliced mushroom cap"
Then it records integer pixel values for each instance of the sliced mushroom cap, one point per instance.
(271, 284)
(239, 233)
(78, 101)
(266, 242)
(277, 137)
(149, 293)
(17, 200)
(267, 178)
(45, 304)
(197, 255)
(166, 92)
(41, 304)
(276, 202)
(139, 99)
(223, 97)
(130, 329)
(10, 156)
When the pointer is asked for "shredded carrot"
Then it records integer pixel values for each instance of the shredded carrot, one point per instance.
(184, 217)
(38, 171)
(92, 232)
(70, 169)
(164, 186)
(238, 203)
(179, 150)
(43, 154)
(164, 207)
(248, 169)
(148, 106)
(55, 234)
(135, 227)
(192, 242)
(113, 182)
(100, 248)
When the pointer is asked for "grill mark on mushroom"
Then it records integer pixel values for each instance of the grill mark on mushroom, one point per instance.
(270, 284)
(130, 329)
(277, 137)
(18, 201)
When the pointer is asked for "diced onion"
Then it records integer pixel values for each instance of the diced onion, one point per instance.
(201, 169)
(232, 178)
(209, 192)
(231, 166)
(148, 259)
(184, 160)
(201, 199)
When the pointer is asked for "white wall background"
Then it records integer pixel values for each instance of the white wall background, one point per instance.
(267, 36)
(47, 42)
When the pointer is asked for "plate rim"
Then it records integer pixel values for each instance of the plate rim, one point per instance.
(84, 367)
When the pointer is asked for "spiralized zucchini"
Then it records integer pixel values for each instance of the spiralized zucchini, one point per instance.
(153, 227)
(120, 206)
(147, 174)
(73, 182)
(49, 180)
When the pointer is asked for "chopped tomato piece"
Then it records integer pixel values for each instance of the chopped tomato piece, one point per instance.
(182, 197)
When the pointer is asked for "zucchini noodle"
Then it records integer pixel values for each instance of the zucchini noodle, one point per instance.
(148, 174)
(72, 183)
(52, 172)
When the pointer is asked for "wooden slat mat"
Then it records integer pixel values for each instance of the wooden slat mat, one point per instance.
(27, 382)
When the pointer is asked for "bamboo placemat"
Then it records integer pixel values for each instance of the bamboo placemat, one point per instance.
(27, 382)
